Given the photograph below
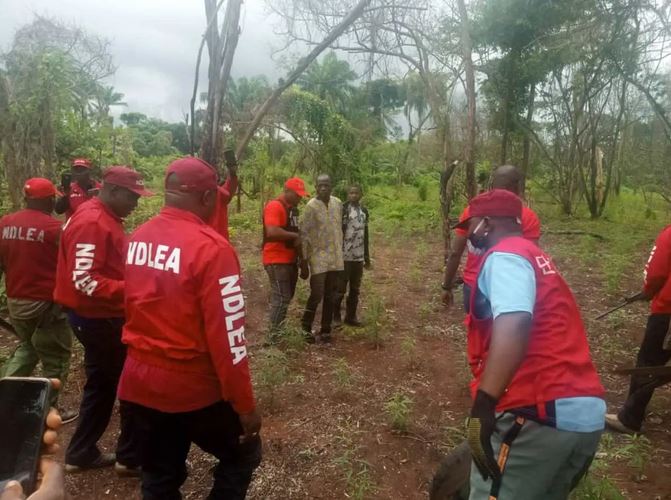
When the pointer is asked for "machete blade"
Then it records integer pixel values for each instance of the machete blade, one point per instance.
(656, 371)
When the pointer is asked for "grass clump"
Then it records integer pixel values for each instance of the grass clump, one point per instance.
(399, 409)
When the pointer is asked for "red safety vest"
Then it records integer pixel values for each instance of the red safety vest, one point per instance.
(558, 362)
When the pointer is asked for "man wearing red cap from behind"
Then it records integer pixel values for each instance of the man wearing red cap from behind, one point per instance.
(90, 285)
(78, 187)
(281, 251)
(186, 378)
(28, 252)
(538, 408)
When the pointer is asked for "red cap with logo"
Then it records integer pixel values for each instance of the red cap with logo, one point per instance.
(194, 174)
(494, 203)
(297, 185)
(38, 188)
(126, 177)
(82, 162)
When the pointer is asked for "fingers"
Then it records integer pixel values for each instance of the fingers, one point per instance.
(53, 480)
(12, 491)
(55, 384)
(54, 421)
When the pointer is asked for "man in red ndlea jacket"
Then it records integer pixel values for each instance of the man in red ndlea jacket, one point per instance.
(186, 378)
(656, 346)
(28, 252)
(90, 285)
(80, 190)
(537, 400)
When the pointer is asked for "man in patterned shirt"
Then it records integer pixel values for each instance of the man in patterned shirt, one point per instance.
(356, 256)
(322, 240)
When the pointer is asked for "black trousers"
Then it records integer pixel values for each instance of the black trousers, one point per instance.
(104, 357)
(351, 276)
(165, 439)
(651, 353)
(323, 287)
(466, 289)
(283, 278)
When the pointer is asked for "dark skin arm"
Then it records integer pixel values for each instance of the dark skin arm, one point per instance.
(510, 339)
(451, 267)
(276, 233)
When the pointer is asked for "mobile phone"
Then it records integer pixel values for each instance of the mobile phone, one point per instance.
(66, 180)
(24, 404)
(229, 158)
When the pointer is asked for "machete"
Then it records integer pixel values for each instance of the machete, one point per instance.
(627, 301)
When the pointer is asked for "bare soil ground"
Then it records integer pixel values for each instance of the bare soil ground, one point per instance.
(327, 433)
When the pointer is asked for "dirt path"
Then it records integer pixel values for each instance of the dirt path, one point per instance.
(327, 433)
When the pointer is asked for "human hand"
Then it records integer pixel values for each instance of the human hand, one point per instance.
(305, 271)
(367, 265)
(481, 426)
(447, 297)
(251, 425)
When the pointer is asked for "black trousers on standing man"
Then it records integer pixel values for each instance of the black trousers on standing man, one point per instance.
(352, 275)
(104, 357)
(651, 353)
(323, 287)
(164, 440)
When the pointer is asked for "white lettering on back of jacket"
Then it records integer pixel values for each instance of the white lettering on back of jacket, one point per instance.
(84, 255)
(22, 233)
(234, 311)
(159, 257)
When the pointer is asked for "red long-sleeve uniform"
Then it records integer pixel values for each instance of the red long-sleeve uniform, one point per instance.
(89, 276)
(185, 318)
(219, 220)
(657, 272)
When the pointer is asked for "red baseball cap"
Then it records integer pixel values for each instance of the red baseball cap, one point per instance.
(195, 175)
(297, 185)
(126, 177)
(494, 203)
(82, 162)
(39, 187)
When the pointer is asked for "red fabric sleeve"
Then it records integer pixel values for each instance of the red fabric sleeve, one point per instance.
(228, 189)
(223, 310)
(464, 215)
(88, 256)
(657, 268)
(531, 224)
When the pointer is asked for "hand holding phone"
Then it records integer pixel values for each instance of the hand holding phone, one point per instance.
(24, 407)
(231, 161)
(66, 180)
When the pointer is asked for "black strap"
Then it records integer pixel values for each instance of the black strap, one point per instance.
(504, 452)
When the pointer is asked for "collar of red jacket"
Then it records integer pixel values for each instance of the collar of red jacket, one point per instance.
(178, 213)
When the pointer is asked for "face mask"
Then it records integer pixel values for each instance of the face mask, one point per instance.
(478, 241)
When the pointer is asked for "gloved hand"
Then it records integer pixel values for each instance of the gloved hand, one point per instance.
(481, 425)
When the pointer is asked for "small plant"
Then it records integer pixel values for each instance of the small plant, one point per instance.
(423, 190)
(342, 374)
(398, 409)
(271, 372)
(292, 338)
(637, 452)
(358, 481)
(409, 350)
(424, 311)
(374, 322)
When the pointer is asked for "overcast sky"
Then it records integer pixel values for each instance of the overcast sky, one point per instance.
(154, 44)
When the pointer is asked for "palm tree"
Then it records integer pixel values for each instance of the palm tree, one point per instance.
(331, 80)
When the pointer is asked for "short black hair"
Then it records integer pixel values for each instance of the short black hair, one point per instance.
(355, 186)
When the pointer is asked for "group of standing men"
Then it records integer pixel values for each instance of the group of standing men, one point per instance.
(160, 315)
(328, 245)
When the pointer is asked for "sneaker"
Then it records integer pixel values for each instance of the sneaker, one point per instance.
(68, 416)
(614, 423)
(104, 460)
(127, 470)
(353, 322)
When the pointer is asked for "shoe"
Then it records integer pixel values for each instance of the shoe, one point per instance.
(325, 338)
(308, 337)
(354, 322)
(68, 416)
(127, 470)
(104, 460)
(337, 323)
(613, 422)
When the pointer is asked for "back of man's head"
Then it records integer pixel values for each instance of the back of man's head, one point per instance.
(507, 177)
(191, 185)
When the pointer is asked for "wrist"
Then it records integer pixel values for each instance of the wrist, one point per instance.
(446, 286)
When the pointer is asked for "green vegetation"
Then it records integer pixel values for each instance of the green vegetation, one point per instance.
(399, 409)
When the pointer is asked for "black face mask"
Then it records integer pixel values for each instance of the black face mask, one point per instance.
(478, 241)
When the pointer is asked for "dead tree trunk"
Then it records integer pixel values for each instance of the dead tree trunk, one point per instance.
(526, 145)
(469, 146)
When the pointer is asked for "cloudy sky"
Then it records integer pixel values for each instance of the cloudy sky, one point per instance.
(154, 44)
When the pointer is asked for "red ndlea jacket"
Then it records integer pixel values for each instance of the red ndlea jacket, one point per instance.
(185, 318)
(219, 220)
(657, 272)
(558, 362)
(28, 252)
(78, 197)
(89, 276)
(531, 230)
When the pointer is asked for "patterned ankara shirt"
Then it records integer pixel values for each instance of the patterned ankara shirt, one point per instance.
(321, 234)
